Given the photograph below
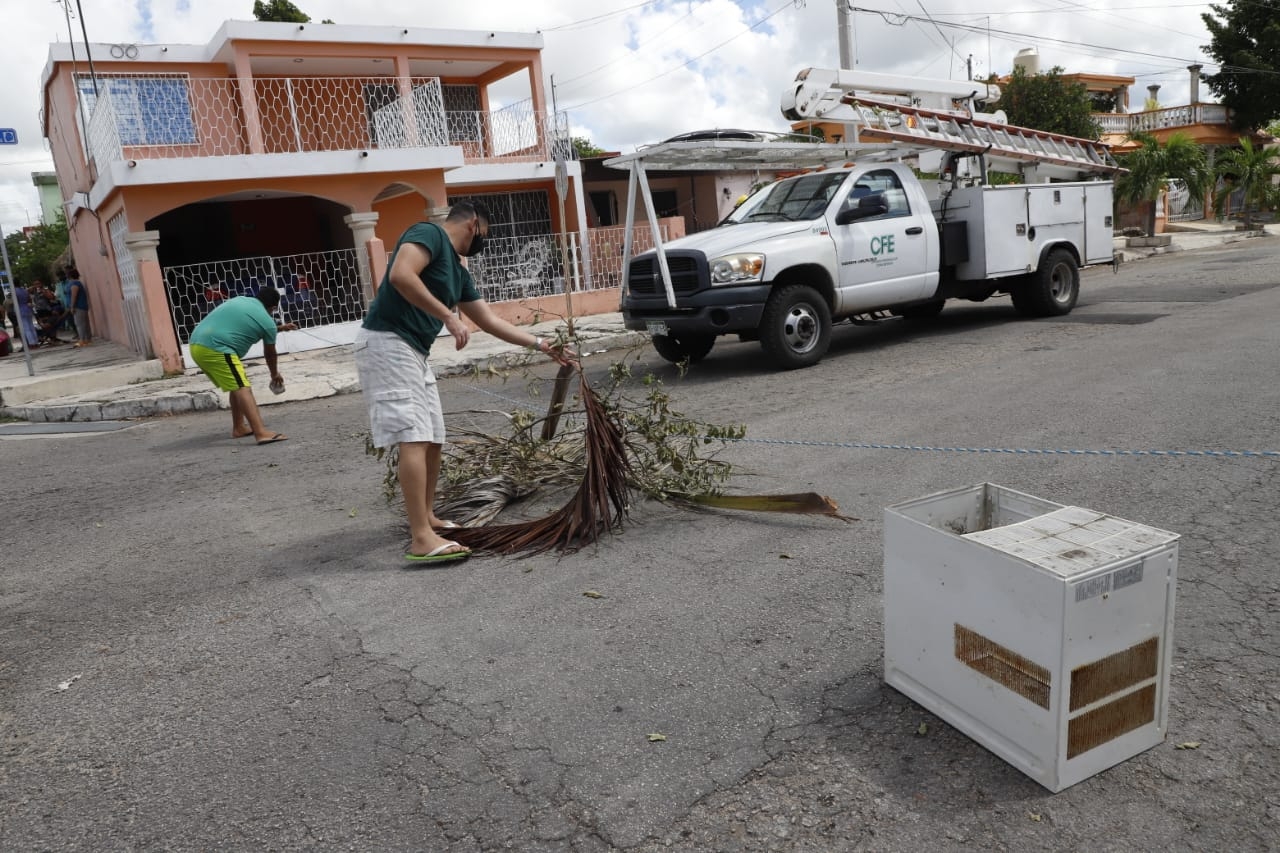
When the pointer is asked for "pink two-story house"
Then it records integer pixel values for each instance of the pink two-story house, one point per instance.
(294, 155)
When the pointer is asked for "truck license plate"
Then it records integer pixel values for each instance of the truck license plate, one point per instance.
(656, 327)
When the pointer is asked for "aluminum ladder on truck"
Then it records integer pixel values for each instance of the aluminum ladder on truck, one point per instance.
(1051, 155)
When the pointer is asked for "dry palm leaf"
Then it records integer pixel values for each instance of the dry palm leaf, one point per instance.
(620, 447)
(483, 499)
(599, 504)
(808, 503)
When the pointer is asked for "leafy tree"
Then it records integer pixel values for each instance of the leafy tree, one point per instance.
(279, 10)
(1245, 42)
(34, 254)
(586, 148)
(1152, 165)
(1048, 102)
(1250, 170)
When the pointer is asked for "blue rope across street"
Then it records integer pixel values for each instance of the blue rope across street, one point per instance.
(1029, 451)
(1022, 451)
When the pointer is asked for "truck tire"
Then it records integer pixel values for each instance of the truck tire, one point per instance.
(1050, 291)
(691, 348)
(795, 329)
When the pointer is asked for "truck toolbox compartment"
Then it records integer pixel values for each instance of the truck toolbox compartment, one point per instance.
(955, 242)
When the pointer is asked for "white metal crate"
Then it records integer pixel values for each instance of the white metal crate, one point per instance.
(1042, 631)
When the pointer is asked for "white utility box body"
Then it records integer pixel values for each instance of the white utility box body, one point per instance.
(1042, 631)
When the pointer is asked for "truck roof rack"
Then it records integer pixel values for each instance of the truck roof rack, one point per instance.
(749, 154)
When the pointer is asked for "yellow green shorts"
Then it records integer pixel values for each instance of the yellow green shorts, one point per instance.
(224, 368)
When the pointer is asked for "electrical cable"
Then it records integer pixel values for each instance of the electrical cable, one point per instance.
(685, 64)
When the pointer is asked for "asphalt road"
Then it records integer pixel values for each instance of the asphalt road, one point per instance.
(210, 645)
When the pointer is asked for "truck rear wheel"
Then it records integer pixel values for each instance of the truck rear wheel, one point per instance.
(795, 330)
(1052, 290)
(678, 348)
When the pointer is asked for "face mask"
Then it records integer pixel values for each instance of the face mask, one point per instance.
(476, 247)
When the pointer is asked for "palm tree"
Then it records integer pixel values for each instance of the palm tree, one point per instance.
(1251, 171)
(1153, 165)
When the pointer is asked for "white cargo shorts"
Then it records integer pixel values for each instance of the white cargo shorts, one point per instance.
(399, 390)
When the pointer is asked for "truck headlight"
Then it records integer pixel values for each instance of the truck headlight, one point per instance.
(733, 269)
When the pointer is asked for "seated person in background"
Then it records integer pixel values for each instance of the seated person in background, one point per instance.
(40, 302)
(49, 313)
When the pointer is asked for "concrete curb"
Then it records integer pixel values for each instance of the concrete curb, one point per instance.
(162, 398)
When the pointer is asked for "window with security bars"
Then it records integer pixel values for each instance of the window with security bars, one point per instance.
(151, 110)
(521, 257)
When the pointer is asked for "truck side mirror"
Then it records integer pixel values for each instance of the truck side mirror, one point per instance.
(869, 205)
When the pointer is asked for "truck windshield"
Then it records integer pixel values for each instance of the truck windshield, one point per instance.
(800, 198)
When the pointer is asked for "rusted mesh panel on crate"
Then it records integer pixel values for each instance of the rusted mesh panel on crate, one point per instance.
(1107, 723)
(1111, 674)
(1002, 665)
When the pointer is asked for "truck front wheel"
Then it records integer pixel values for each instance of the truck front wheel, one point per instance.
(795, 330)
(1050, 291)
(690, 348)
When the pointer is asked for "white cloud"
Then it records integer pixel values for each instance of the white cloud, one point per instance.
(659, 68)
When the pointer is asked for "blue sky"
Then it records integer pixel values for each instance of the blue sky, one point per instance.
(632, 72)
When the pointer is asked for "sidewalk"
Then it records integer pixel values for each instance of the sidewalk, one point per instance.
(107, 382)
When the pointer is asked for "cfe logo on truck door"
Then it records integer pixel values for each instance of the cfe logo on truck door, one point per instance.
(883, 251)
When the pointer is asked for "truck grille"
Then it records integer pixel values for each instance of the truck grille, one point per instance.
(687, 274)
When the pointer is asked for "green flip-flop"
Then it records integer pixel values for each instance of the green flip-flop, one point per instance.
(441, 554)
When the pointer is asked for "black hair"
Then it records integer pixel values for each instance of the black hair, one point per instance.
(269, 297)
(463, 211)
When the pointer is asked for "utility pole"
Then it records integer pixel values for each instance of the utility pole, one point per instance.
(17, 311)
(844, 24)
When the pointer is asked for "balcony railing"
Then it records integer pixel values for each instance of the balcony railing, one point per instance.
(141, 117)
(1123, 124)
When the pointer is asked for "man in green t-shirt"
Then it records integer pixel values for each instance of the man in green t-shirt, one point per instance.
(221, 340)
(425, 281)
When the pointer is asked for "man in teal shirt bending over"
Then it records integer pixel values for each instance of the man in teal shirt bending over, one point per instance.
(222, 339)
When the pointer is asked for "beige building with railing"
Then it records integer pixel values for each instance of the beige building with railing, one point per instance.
(294, 155)
(1208, 125)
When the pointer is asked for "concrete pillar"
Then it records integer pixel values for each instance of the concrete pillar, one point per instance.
(362, 225)
(405, 84)
(249, 101)
(1195, 84)
(436, 213)
(1153, 93)
(155, 299)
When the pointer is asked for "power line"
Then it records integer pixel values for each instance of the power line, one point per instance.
(686, 63)
(631, 54)
(1024, 37)
(573, 25)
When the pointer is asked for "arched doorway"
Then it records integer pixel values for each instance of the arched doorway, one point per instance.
(233, 245)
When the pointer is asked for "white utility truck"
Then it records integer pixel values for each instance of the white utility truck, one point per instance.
(856, 235)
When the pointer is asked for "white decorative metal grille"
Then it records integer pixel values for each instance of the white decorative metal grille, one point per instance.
(316, 289)
(604, 247)
(104, 137)
(135, 307)
(155, 116)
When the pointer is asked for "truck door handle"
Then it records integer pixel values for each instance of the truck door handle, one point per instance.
(915, 229)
